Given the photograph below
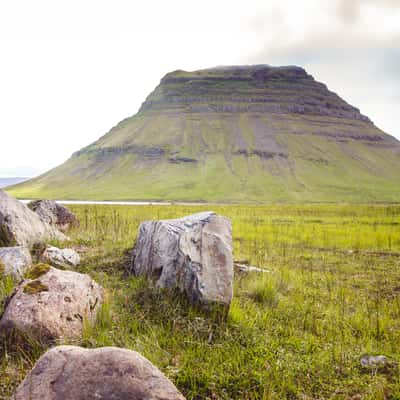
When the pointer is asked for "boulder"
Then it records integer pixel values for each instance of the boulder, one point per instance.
(193, 254)
(14, 261)
(19, 226)
(54, 214)
(52, 304)
(62, 258)
(75, 373)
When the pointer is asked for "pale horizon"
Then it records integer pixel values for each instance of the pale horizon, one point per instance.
(70, 72)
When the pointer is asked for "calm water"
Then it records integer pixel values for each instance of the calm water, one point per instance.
(112, 203)
(121, 203)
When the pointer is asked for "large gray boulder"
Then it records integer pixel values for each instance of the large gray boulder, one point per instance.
(54, 214)
(52, 305)
(19, 226)
(108, 373)
(193, 254)
(14, 261)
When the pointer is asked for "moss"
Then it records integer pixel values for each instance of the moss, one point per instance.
(37, 271)
(2, 268)
(38, 249)
(35, 287)
(6, 239)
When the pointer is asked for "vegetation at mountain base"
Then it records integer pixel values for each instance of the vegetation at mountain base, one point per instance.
(297, 332)
(234, 134)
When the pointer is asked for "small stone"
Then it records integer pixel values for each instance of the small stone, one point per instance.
(62, 258)
(54, 214)
(249, 268)
(15, 261)
(373, 362)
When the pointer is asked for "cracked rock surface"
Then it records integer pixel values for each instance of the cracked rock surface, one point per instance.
(193, 254)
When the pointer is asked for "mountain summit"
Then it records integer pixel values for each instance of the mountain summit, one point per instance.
(237, 133)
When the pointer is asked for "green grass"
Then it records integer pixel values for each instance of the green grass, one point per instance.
(298, 332)
(319, 166)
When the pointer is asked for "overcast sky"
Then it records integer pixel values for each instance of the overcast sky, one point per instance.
(70, 70)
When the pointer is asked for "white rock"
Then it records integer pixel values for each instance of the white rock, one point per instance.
(60, 257)
(15, 260)
(193, 254)
(249, 268)
(19, 226)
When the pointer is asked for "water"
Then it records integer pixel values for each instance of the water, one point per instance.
(4, 182)
(120, 203)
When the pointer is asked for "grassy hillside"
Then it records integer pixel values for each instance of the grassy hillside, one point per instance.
(297, 332)
(233, 135)
(317, 169)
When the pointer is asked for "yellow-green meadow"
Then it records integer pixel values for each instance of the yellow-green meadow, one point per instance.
(332, 295)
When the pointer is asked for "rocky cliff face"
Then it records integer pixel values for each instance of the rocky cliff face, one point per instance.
(259, 88)
(240, 133)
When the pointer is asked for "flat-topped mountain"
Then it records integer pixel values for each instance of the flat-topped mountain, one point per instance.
(239, 133)
(258, 88)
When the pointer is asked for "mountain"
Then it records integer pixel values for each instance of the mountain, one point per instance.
(4, 182)
(239, 133)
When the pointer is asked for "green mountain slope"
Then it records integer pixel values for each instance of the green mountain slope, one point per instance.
(251, 133)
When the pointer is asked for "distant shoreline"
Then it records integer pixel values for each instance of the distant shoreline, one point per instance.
(200, 203)
(119, 203)
(9, 181)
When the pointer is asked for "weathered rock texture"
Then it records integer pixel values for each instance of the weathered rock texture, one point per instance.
(193, 254)
(240, 133)
(52, 306)
(54, 214)
(14, 261)
(21, 226)
(108, 373)
(60, 257)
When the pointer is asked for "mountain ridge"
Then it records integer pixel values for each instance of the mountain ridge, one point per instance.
(237, 134)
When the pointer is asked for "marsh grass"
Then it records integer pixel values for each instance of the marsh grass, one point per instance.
(297, 332)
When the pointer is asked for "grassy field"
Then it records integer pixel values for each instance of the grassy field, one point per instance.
(316, 169)
(295, 333)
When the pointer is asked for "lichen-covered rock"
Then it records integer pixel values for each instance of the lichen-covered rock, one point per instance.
(19, 226)
(60, 257)
(14, 261)
(75, 373)
(193, 254)
(52, 305)
(54, 214)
